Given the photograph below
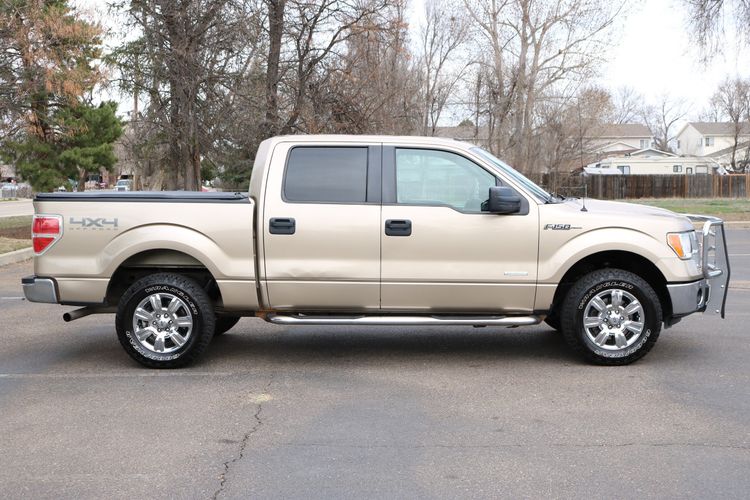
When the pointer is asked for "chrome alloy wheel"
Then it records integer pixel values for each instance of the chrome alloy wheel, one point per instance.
(613, 319)
(162, 323)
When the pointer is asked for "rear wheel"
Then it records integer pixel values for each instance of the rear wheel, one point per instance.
(165, 320)
(611, 317)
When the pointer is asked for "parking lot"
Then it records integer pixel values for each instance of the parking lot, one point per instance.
(312, 412)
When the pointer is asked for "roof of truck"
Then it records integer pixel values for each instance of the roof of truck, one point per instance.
(391, 139)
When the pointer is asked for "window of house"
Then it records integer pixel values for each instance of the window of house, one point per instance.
(430, 177)
(644, 143)
(709, 141)
(677, 168)
(624, 169)
(689, 171)
(326, 174)
(701, 169)
(678, 144)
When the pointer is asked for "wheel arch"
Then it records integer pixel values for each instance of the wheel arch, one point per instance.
(160, 260)
(616, 259)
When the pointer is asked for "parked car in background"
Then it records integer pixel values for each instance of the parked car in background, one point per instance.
(124, 185)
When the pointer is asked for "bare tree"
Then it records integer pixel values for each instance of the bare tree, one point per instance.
(707, 21)
(627, 104)
(732, 102)
(442, 34)
(185, 64)
(662, 118)
(539, 48)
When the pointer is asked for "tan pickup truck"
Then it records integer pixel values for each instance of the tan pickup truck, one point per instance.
(369, 230)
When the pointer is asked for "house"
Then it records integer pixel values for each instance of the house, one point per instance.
(708, 138)
(619, 137)
(651, 161)
(741, 156)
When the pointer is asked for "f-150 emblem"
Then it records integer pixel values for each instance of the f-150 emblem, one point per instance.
(95, 223)
(560, 227)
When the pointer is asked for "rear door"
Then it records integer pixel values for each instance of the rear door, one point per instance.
(321, 227)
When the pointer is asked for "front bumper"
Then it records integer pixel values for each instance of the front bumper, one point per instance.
(37, 289)
(710, 293)
(688, 298)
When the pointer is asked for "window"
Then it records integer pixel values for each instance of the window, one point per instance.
(428, 177)
(709, 141)
(644, 143)
(326, 174)
(677, 169)
(701, 169)
(678, 144)
(689, 171)
(624, 169)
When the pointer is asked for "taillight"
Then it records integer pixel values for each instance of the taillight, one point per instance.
(45, 231)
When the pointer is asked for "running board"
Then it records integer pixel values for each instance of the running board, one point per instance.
(303, 319)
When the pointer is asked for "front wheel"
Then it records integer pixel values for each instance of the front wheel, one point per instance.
(611, 317)
(165, 320)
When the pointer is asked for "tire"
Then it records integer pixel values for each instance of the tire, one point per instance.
(224, 324)
(611, 317)
(176, 336)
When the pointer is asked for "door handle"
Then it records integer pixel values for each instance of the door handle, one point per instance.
(282, 225)
(398, 227)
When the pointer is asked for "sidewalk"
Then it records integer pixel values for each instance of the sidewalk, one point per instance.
(16, 256)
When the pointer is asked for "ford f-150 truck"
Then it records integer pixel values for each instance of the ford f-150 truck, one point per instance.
(371, 230)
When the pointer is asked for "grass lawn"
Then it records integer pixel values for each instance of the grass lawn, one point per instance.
(10, 244)
(16, 228)
(8, 199)
(730, 209)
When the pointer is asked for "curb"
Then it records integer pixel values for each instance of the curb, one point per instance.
(17, 256)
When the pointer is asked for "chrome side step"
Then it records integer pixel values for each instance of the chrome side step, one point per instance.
(304, 319)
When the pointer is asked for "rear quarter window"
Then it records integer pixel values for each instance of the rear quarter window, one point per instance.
(326, 175)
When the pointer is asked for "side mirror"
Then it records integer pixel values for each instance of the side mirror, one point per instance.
(503, 200)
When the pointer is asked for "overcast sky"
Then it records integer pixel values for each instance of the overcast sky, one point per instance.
(651, 52)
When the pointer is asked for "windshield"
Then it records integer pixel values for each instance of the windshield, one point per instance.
(514, 174)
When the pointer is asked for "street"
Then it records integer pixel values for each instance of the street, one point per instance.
(386, 412)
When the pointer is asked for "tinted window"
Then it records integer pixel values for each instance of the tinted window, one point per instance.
(326, 175)
(428, 177)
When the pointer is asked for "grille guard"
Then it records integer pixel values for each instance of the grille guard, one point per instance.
(714, 261)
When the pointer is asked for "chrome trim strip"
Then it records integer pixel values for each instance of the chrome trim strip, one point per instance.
(302, 319)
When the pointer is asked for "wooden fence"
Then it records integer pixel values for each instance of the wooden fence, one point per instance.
(614, 187)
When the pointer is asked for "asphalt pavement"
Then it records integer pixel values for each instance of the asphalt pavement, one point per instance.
(373, 412)
(19, 207)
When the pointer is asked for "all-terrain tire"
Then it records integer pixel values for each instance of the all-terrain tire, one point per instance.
(224, 324)
(165, 320)
(603, 312)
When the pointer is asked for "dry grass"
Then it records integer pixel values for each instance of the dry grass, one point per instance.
(11, 244)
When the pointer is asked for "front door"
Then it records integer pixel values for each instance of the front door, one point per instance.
(440, 252)
(321, 227)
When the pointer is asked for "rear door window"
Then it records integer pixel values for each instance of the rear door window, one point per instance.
(326, 175)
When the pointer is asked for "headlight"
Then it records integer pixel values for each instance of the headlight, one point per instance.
(685, 245)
